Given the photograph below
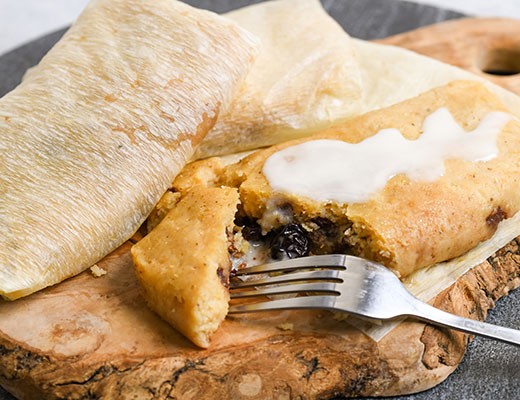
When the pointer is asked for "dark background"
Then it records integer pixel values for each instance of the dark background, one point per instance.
(490, 370)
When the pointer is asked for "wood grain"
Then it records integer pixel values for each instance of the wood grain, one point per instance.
(474, 44)
(95, 338)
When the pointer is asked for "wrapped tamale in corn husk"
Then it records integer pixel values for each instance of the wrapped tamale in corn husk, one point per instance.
(97, 131)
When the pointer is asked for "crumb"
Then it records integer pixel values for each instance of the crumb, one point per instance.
(339, 316)
(385, 254)
(286, 326)
(97, 271)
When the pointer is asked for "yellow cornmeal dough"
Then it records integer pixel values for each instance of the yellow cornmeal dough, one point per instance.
(162, 208)
(183, 264)
(202, 173)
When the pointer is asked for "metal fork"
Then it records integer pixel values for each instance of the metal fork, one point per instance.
(345, 283)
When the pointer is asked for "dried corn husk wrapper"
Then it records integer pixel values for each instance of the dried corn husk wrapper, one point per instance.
(305, 77)
(97, 131)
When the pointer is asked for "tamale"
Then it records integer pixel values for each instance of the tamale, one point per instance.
(96, 132)
(183, 264)
(409, 223)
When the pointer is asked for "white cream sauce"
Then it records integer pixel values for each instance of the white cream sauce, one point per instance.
(334, 170)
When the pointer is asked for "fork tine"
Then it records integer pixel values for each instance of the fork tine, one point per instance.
(286, 289)
(329, 274)
(320, 302)
(329, 260)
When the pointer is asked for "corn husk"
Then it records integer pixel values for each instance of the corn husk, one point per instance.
(305, 77)
(98, 130)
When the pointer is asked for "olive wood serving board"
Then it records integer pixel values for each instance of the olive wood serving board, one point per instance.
(94, 337)
(489, 47)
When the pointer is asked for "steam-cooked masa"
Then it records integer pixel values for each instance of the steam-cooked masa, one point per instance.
(183, 264)
(408, 224)
(97, 131)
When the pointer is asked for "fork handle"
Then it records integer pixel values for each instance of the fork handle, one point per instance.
(438, 317)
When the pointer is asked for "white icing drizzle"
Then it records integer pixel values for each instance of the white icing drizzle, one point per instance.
(334, 170)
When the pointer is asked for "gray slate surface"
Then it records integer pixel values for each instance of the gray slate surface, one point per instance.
(490, 369)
